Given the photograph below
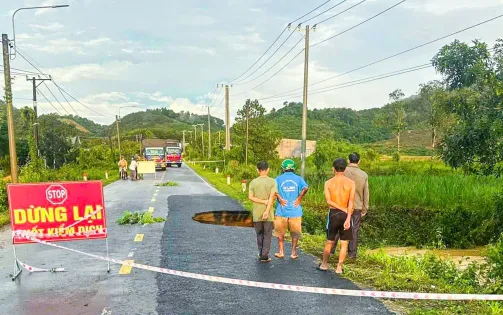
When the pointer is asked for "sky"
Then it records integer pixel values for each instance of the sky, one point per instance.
(113, 55)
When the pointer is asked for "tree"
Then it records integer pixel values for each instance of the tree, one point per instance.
(393, 116)
(475, 99)
(432, 95)
(263, 139)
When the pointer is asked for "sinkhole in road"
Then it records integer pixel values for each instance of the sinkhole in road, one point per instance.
(227, 218)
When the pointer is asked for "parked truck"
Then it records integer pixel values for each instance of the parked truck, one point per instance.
(173, 150)
(154, 150)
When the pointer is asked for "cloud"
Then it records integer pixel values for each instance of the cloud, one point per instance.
(255, 10)
(243, 42)
(195, 49)
(65, 45)
(127, 51)
(444, 7)
(151, 51)
(107, 71)
(52, 27)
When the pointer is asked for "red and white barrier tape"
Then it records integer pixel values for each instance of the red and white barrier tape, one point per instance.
(285, 287)
(35, 269)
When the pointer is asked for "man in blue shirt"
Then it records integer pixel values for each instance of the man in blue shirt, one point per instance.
(291, 190)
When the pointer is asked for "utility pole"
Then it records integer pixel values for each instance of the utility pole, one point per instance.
(191, 140)
(219, 139)
(118, 136)
(140, 136)
(35, 124)
(195, 135)
(304, 105)
(227, 120)
(183, 141)
(10, 118)
(202, 136)
(209, 134)
(247, 117)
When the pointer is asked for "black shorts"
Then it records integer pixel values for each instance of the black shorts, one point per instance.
(336, 219)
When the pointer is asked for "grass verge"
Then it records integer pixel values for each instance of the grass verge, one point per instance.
(380, 271)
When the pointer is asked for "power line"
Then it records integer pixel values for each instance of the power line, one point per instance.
(363, 81)
(61, 92)
(277, 38)
(399, 53)
(76, 100)
(217, 96)
(363, 22)
(50, 102)
(355, 5)
(313, 17)
(251, 73)
(302, 50)
(287, 53)
(55, 97)
(329, 88)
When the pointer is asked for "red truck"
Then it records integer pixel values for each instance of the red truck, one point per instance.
(173, 153)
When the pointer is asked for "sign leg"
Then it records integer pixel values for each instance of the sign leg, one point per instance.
(17, 268)
(108, 262)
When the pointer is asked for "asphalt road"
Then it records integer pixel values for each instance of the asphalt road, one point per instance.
(179, 243)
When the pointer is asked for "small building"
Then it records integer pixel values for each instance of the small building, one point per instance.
(291, 148)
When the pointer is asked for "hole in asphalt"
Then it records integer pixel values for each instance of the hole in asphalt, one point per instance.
(227, 218)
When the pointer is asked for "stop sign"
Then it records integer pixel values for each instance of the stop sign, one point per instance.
(56, 194)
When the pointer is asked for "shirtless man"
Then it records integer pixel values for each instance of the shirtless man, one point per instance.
(340, 196)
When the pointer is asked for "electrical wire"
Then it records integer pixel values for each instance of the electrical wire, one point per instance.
(333, 16)
(50, 102)
(55, 97)
(277, 38)
(288, 52)
(272, 75)
(251, 73)
(363, 22)
(217, 96)
(61, 92)
(354, 82)
(313, 17)
(76, 100)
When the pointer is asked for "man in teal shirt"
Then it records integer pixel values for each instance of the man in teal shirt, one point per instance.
(291, 190)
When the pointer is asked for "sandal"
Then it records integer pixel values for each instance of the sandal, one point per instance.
(340, 273)
(278, 255)
(321, 269)
(294, 257)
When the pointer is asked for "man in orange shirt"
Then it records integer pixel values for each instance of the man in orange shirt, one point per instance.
(340, 197)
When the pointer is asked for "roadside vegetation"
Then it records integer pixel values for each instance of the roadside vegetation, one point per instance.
(167, 184)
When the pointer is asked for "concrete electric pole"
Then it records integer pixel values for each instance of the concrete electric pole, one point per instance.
(202, 136)
(247, 118)
(304, 105)
(227, 120)
(209, 134)
(10, 118)
(118, 136)
(35, 124)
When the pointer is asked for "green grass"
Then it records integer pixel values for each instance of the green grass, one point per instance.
(129, 218)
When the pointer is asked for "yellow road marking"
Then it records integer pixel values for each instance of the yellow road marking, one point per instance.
(138, 238)
(151, 209)
(126, 267)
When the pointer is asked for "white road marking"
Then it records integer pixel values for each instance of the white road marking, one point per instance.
(219, 192)
(131, 254)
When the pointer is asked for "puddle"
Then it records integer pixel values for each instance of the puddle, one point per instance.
(227, 218)
(462, 257)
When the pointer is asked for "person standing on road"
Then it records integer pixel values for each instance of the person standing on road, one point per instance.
(123, 168)
(340, 197)
(132, 168)
(291, 190)
(262, 192)
(362, 198)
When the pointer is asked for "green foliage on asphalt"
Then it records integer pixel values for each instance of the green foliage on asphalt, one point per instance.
(167, 184)
(142, 218)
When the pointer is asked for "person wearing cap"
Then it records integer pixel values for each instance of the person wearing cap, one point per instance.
(291, 190)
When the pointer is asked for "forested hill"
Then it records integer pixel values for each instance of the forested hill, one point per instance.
(357, 126)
